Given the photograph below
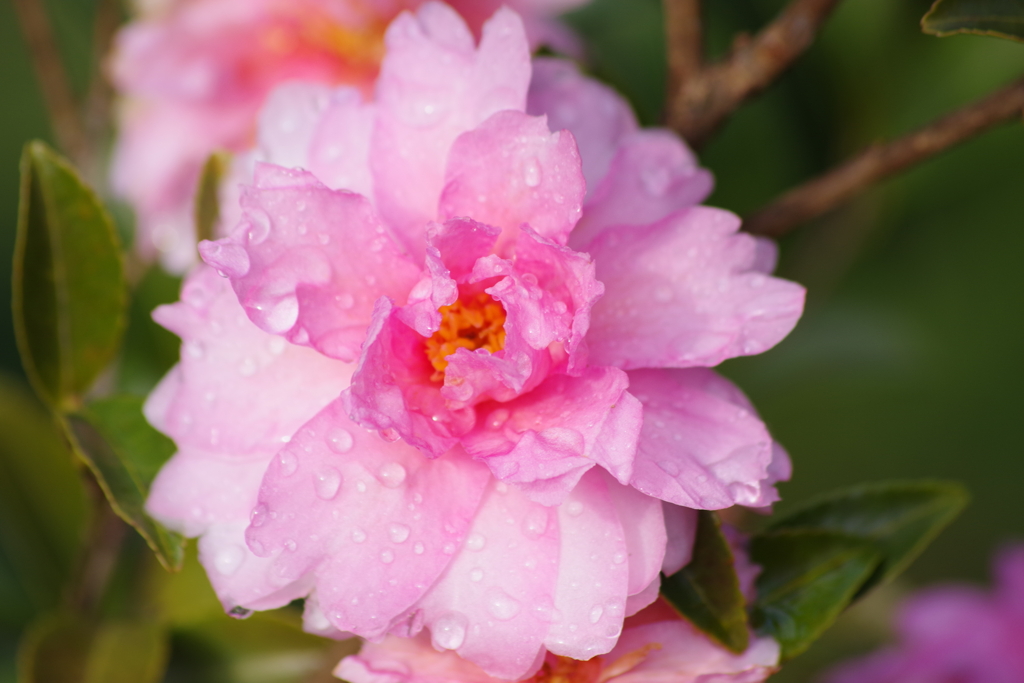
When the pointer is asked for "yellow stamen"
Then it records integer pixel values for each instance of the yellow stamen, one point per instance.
(568, 670)
(476, 322)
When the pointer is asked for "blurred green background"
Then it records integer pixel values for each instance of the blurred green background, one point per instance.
(910, 359)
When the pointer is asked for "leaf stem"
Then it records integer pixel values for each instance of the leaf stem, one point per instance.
(700, 99)
(878, 161)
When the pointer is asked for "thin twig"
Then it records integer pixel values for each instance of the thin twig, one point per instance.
(100, 95)
(685, 37)
(826, 192)
(701, 102)
(52, 77)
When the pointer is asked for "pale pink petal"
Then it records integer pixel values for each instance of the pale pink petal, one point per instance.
(645, 531)
(512, 170)
(546, 439)
(779, 469)
(688, 656)
(339, 152)
(408, 660)
(652, 175)
(215, 399)
(374, 520)
(392, 388)
(288, 122)
(593, 554)
(681, 532)
(646, 597)
(683, 292)
(701, 446)
(434, 86)
(492, 606)
(308, 262)
(596, 115)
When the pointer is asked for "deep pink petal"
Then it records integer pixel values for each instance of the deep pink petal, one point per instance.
(684, 292)
(512, 170)
(434, 86)
(652, 175)
(593, 554)
(702, 445)
(215, 398)
(308, 262)
(546, 439)
(494, 602)
(596, 115)
(374, 520)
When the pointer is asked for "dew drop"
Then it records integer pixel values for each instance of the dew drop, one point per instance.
(574, 508)
(279, 316)
(259, 226)
(618, 558)
(449, 631)
(289, 545)
(497, 418)
(476, 575)
(501, 605)
(536, 522)
(476, 541)
(387, 557)
(531, 173)
(326, 482)
(258, 516)
(398, 532)
(240, 612)
(361, 486)
(391, 475)
(339, 440)
(390, 434)
(345, 301)
(596, 613)
(287, 463)
(418, 548)
(228, 559)
(358, 535)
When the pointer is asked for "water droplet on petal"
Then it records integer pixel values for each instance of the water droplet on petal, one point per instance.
(449, 631)
(259, 225)
(289, 545)
(476, 541)
(574, 508)
(228, 559)
(501, 605)
(497, 418)
(279, 316)
(326, 482)
(536, 522)
(287, 463)
(531, 173)
(358, 535)
(476, 575)
(398, 532)
(596, 613)
(418, 548)
(339, 440)
(345, 300)
(240, 612)
(391, 475)
(387, 557)
(258, 516)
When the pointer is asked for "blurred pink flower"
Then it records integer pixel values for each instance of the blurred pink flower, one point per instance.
(954, 634)
(656, 645)
(413, 405)
(194, 73)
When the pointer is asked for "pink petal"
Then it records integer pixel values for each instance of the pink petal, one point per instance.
(652, 175)
(434, 86)
(374, 520)
(702, 445)
(596, 115)
(681, 532)
(392, 387)
(493, 604)
(546, 439)
(460, 242)
(684, 292)
(405, 660)
(308, 262)
(593, 571)
(288, 122)
(215, 398)
(644, 527)
(339, 152)
(512, 170)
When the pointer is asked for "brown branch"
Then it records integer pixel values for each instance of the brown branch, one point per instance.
(52, 77)
(685, 38)
(700, 103)
(820, 195)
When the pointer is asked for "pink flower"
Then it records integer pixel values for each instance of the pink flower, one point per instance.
(476, 394)
(954, 633)
(196, 72)
(656, 646)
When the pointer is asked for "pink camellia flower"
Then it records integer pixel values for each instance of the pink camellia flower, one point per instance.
(954, 634)
(455, 376)
(196, 72)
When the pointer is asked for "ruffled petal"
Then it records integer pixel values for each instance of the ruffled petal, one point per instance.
(494, 602)
(545, 440)
(339, 151)
(685, 292)
(701, 445)
(512, 170)
(288, 122)
(596, 115)
(308, 262)
(374, 520)
(215, 397)
(433, 86)
(652, 175)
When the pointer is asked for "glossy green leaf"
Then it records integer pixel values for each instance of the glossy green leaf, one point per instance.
(149, 350)
(69, 288)
(43, 508)
(207, 206)
(125, 453)
(70, 649)
(900, 518)
(999, 18)
(807, 578)
(706, 591)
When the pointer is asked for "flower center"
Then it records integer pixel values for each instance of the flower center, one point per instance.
(568, 670)
(476, 322)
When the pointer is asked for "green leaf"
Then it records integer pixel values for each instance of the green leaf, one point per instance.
(67, 648)
(899, 518)
(43, 507)
(124, 452)
(807, 578)
(207, 206)
(181, 598)
(149, 350)
(706, 591)
(69, 289)
(999, 18)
